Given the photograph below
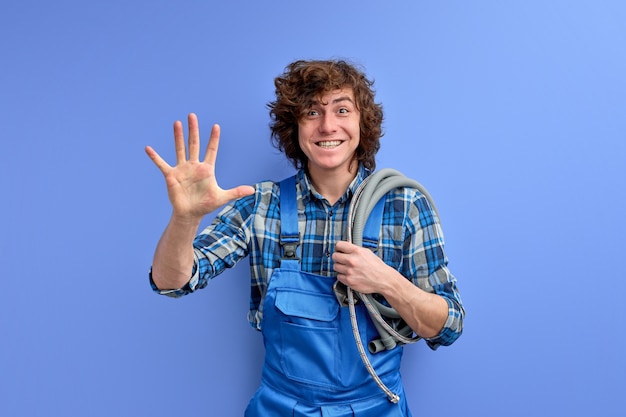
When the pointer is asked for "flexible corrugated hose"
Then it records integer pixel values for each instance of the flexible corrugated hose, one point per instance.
(371, 190)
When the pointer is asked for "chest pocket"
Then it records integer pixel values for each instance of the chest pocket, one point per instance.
(299, 305)
(309, 336)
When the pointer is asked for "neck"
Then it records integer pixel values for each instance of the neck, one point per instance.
(332, 184)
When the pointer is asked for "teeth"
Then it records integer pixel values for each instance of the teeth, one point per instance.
(329, 144)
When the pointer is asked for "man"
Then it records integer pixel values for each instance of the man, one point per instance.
(326, 122)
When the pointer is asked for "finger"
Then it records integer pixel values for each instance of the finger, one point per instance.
(179, 143)
(194, 137)
(344, 247)
(338, 258)
(214, 143)
(338, 267)
(158, 161)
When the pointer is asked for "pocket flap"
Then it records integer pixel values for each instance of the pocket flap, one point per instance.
(308, 305)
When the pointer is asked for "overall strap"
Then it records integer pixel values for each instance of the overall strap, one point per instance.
(371, 230)
(289, 236)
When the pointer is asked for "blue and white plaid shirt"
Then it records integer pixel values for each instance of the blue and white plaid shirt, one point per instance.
(411, 242)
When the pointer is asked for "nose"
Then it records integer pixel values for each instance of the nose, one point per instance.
(328, 123)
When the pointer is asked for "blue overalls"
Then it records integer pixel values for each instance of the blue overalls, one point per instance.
(312, 366)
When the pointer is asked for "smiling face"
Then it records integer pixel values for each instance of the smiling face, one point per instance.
(329, 133)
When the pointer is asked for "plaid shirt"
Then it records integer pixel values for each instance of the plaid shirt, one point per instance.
(411, 243)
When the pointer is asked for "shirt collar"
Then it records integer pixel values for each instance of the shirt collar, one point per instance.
(308, 192)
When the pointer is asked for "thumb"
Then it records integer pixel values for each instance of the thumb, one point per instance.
(240, 191)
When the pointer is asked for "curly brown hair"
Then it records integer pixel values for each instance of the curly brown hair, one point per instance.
(304, 81)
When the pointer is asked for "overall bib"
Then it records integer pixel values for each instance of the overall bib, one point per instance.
(312, 366)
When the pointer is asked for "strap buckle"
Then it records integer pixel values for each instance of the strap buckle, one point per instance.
(290, 247)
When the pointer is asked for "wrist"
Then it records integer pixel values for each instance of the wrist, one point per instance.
(185, 220)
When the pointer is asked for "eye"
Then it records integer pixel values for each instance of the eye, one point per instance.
(343, 110)
(312, 113)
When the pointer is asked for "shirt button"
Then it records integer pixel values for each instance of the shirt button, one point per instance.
(327, 254)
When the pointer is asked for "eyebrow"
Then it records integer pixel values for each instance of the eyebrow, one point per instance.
(335, 101)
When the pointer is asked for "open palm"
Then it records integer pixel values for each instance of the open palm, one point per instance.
(191, 184)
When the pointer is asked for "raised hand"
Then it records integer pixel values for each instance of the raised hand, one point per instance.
(191, 184)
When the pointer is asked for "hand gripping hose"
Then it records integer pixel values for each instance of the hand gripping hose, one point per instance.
(371, 190)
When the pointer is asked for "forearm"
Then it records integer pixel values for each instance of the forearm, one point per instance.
(424, 312)
(174, 256)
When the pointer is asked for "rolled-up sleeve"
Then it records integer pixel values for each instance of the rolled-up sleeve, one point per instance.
(428, 266)
(188, 288)
(219, 246)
